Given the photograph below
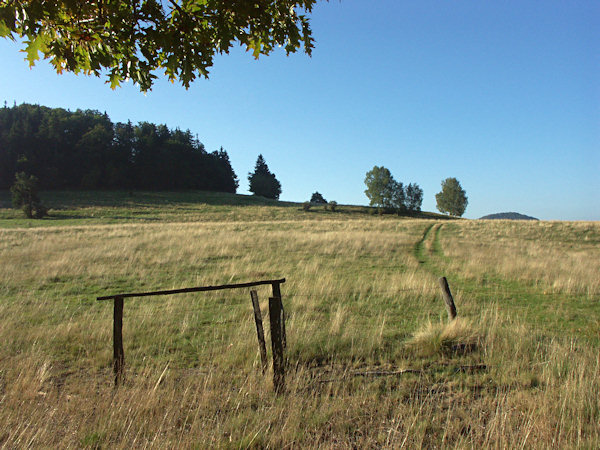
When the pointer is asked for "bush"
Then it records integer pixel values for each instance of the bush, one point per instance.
(25, 196)
(306, 206)
(332, 205)
(318, 199)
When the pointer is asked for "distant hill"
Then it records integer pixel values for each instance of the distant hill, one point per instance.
(509, 216)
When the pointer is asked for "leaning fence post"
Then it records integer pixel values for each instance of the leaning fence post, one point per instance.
(259, 330)
(118, 354)
(450, 308)
(277, 294)
(277, 344)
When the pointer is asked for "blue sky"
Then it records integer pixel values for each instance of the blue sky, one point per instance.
(504, 96)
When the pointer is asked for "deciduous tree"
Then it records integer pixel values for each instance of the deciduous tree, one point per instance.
(452, 199)
(379, 182)
(413, 197)
(383, 190)
(129, 40)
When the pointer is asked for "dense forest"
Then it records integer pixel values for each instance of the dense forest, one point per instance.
(85, 150)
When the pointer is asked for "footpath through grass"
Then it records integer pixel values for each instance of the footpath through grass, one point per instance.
(551, 312)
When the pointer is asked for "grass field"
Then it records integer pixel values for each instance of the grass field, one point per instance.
(371, 359)
(114, 207)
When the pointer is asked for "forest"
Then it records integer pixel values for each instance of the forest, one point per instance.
(84, 149)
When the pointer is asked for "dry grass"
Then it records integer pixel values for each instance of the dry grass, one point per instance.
(355, 296)
(457, 336)
(556, 257)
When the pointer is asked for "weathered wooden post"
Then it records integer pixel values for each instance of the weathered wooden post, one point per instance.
(118, 354)
(277, 294)
(259, 330)
(275, 313)
(450, 308)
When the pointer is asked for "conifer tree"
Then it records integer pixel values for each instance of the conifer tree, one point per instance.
(263, 182)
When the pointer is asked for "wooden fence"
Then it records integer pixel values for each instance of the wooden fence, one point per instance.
(276, 319)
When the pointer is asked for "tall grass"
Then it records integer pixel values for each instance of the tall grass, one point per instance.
(360, 307)
(556, 257)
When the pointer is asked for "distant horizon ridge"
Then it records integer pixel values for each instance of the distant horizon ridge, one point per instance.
(509, 216)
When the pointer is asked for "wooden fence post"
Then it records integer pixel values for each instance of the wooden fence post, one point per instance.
(259, 330)
(277, 344)
(277, 294)
(118, 354)
(450, 308)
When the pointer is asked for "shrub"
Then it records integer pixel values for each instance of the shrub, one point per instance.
(318, 199)
(306, 206)
(25, 196)
(332, 205)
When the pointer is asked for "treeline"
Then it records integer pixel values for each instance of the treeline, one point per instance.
(85, 150)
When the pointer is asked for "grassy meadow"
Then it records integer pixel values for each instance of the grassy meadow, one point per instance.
(372, 361)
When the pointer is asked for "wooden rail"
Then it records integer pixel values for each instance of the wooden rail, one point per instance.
(195, 289)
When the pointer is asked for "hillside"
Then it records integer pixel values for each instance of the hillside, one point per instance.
(508, 216)
(75, 207)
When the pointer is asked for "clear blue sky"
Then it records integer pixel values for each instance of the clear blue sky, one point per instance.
(504, 96)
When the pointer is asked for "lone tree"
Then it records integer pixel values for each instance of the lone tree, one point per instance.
(25, 196)
(128, 40)
(317, 199)
(452, 199)
(262, 181)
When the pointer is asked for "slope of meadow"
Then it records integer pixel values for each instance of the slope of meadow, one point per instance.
(371, 360)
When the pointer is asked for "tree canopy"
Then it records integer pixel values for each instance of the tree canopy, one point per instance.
(385, 192)
(262, 181)
(414, 197)
(379, 182)
(317, 198)
(128, 40)
(452, 199)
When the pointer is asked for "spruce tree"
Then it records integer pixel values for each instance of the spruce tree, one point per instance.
(262, 181)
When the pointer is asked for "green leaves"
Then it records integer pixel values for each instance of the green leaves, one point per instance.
(132, 39)
(452, 199)
(263, 182)
(39, 44)
(379, 181)
(384, 191)
(4, 30)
